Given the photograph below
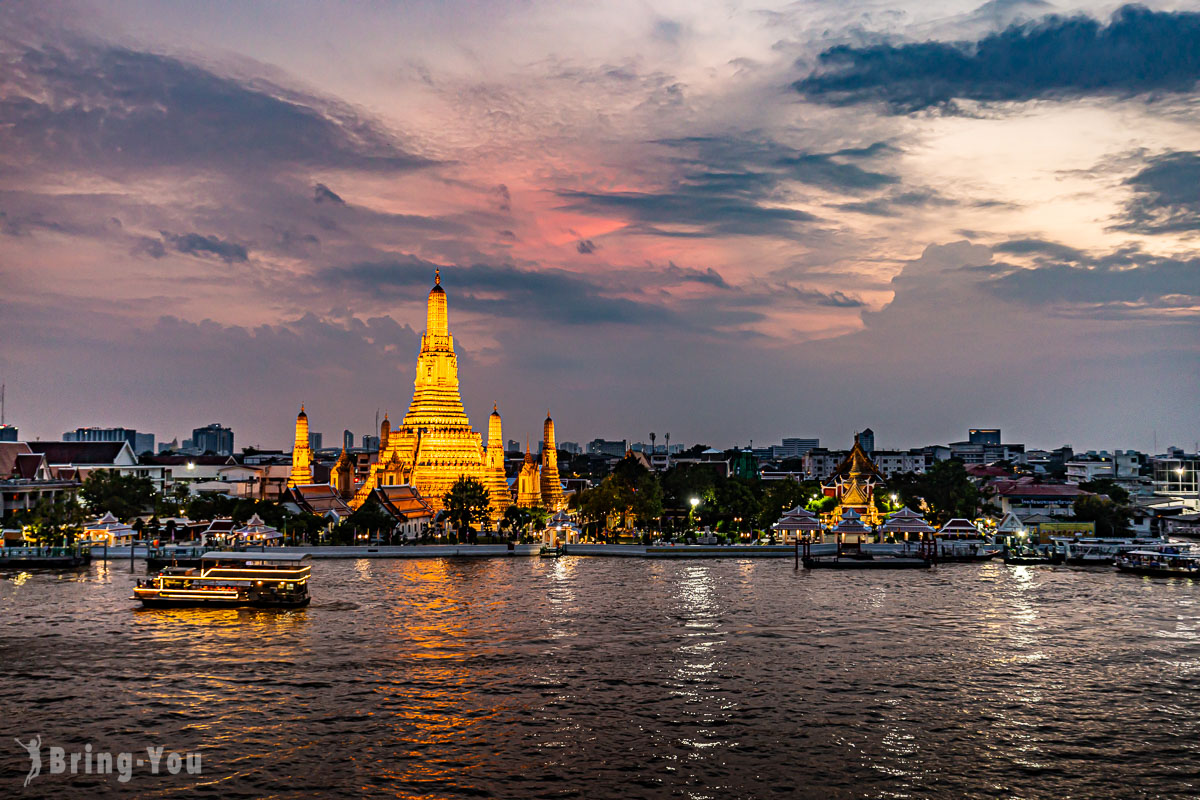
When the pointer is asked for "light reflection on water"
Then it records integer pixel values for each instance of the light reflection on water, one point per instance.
(614, 678)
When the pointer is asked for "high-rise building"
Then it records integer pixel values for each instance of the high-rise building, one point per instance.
(867, 439)
(347, 440)
(213, 437)
(570, 447)
(370, 443)
(608, 447)
(794, 447)
(8, 433)
(315, 440)
(983, 436)
(512, 446)
(145, 443)
(102, 435)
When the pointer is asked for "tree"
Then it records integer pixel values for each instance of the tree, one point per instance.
(515, 519)
(946, 489)
(466, 504)
(52, 522)
(124, 495)
(1110, 519)
(783, 496)
(1117, 493)
(370, 518)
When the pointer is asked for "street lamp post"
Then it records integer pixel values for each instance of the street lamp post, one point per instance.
(695, 501)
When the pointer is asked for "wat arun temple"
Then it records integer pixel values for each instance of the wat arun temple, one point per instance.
(434, 445)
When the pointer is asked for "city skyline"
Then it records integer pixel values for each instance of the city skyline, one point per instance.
(742, 226)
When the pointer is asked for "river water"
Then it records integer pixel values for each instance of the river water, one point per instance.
(616, 678)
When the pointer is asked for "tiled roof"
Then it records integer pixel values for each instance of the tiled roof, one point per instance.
(9, 451)
(1016, 489)
(79, 452)
(29, 465)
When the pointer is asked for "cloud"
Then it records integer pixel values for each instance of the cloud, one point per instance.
(1166, 198)
(95, 105)
(1039, 248)
(1151, 282)
(737, 186)
(585, 247)
(686, 274)
(323, 194)
(199, 244)
(1138, 51)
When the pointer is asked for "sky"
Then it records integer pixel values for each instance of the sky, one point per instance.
(728, 222)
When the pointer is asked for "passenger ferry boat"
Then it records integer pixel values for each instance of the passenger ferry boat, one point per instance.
(1101, 552)
(1160, 563)
(264, 580)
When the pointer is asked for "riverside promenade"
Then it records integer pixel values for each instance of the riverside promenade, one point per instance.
(519, 550)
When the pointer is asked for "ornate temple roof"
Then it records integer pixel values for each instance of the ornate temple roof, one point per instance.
(857, 463)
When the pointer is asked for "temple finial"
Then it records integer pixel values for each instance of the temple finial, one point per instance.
(437, 276)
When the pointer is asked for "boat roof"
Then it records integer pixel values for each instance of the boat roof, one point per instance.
(228, 556)
(1159, 554)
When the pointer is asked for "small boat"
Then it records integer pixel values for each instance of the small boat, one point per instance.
(1160, 563)
(45, 557)
(1030, 557)
(550, 552)
(262, 580)
(1102, 552)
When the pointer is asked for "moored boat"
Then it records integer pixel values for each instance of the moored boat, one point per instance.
(265, 580)
(865, 561)
(45, 557)
(1160, 563)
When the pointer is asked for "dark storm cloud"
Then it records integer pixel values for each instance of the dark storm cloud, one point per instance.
(893, 204)
(1166, 195)
(1039, 248)
(498, 290)
(323, 194)
(97, 105)
(1126, 277)
(686, 274)
(1137, 51)
(729, 186)
(585, 247)
(200, 245)
(836, 299)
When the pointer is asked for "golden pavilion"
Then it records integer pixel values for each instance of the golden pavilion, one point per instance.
(434, 445)
(854, 482)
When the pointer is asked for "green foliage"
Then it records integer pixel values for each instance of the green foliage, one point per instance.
(210, 505)
(781, 496)
(1111, 519)
(946, 491)
(1117, 493)
(124, 495)
(466, 503)
(52, 522)
(370, 518)
(516, 519)
(732, 504)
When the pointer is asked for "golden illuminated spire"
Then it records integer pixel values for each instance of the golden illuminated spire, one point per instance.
(494, 479)
(529, 490)
(433, 446)
(551, 483)
(301, 473)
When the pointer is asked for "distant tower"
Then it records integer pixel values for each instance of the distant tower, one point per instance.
(385, 431)
(867, 440)
(551, 483)
(529, 493)
(342, 476)
(493, 475)
(301, 455)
